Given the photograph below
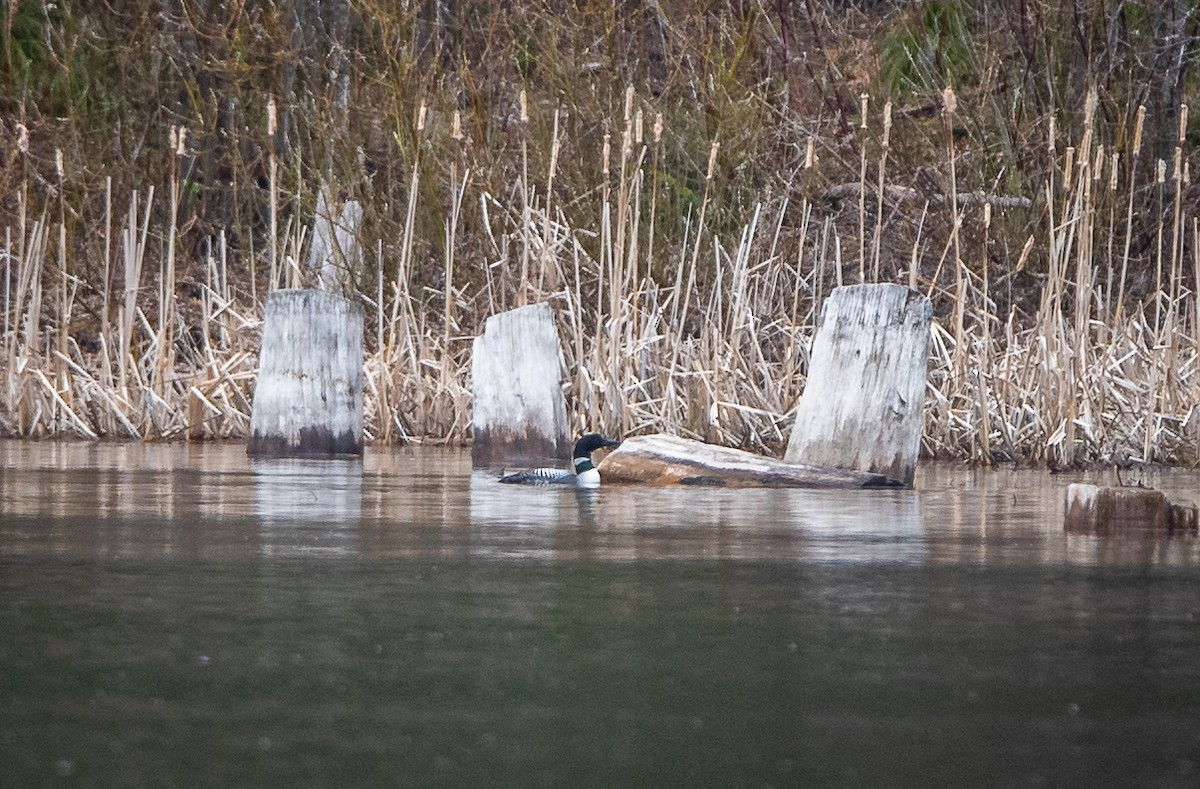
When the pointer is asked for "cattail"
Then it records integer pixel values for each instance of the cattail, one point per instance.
(1137, 128)
(1183, 113)
(22, 138)
(628, 104)
(1112, 175)
(1161, 171)
(949, 100)
(607, 154)
(658, 126)
(862, 101)
(181, 141)
(887, 123)
(422, 113)
(1069, 164)
(1177, 170)
(1098, 167)
(523, 101)
(1051, 134)
(58, 162)
(810, 154)
(456, 132)
(712, 160)
(637, 127)
(987, 215)
(271, 118)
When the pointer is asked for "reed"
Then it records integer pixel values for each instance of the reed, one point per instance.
(703, 334)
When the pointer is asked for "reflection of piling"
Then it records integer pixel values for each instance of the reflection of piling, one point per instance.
(308, 399)
(1092, 509)
(519, 413)
(862, 404)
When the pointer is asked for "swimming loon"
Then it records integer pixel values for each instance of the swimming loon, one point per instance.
(584, 475)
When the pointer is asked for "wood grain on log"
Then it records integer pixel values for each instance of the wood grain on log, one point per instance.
(669, 460)
(862, 406)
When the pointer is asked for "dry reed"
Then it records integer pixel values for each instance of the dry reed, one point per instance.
(710, 344)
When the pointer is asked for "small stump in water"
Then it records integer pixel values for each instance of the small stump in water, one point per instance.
(519, 414)
(862, 406)
(1092, 509)
(308, 400)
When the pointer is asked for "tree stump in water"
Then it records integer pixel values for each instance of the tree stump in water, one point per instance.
(669, 460)
(308, 400)
(862, 404)
(1092, 509)
(519, 414)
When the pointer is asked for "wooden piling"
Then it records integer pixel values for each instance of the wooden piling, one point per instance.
(335, 253)
(308, 400)
(862, 404)
(1092, 509)
(519, 414)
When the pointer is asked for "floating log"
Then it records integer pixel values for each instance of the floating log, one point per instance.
(308, 400)
(669, 460)
(862, 404)
(1092, 509)
(519, 414)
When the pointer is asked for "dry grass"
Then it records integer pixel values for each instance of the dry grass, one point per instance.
(707, 337)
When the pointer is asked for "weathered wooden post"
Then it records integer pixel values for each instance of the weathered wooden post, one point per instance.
(334, 252)
(862, 404)
(308, 400)
(1092, 509)
(519, 414)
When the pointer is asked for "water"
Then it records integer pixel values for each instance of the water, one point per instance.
(179, 616)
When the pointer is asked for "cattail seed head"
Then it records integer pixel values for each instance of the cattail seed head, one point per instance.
(456, 132)
(271, 118)
(22, 138)
(523, 101)
(949, 100)
(658, 126)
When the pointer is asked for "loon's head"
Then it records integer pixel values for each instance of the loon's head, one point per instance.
(589, 443)
(585, 472)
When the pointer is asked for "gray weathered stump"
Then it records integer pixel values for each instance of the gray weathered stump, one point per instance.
(862, 404)
(519, 414)
(308, 401)
(669, 460)
(334, 252)
(1092, 509)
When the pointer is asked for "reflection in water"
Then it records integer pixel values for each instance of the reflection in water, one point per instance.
(308, 507)
(84, 500)
(179, 616)
(628, 523)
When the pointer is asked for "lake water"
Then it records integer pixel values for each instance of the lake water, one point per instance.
(181, 616)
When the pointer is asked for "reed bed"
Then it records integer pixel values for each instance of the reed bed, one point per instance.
(706, 336)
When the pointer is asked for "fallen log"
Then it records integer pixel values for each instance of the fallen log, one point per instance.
(669, 460)
(862, 406)
(1092, 509)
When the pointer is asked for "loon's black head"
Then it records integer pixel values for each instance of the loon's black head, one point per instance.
(590, 442)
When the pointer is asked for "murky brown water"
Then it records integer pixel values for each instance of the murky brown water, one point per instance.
(178, 615)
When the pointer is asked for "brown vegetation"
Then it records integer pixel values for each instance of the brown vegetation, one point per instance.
(685, 182)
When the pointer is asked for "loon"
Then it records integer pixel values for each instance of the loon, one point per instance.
(584, 475)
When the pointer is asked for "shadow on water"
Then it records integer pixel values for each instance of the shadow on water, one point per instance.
(180, 615)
